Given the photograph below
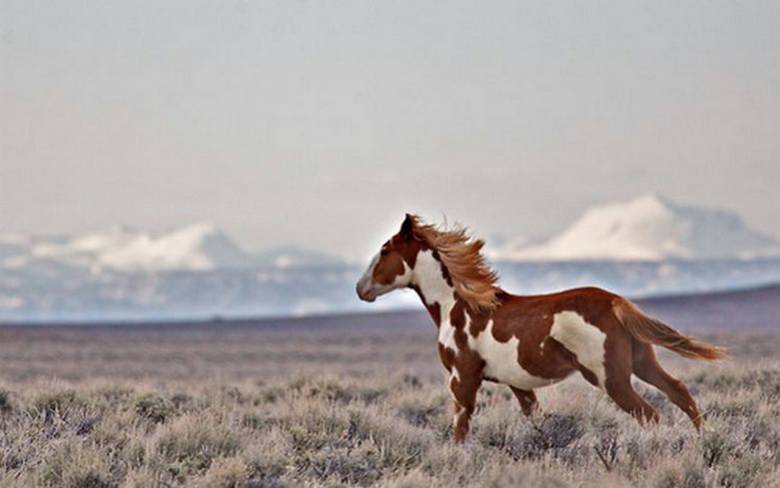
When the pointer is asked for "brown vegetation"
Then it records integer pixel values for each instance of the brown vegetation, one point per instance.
(99, 408)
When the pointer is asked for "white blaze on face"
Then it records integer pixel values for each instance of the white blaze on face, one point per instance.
(364, 284)
(369, 290)
(584, 340)
(501, 360)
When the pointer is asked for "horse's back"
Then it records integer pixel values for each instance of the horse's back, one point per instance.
(591, 303)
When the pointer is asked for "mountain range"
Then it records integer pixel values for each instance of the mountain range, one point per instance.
(646, 246)
(196, 247)
(647, 228)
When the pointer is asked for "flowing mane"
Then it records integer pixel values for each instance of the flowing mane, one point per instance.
(474, 281)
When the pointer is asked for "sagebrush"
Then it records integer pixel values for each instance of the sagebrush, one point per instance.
(386, 424)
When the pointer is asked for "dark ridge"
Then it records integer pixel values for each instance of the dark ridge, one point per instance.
(755, 308)
(397, 320)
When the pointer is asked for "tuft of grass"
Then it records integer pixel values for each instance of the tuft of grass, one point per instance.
(72, 465)
(154, 407)
(716, 448)
(230, 472)
(57, 400)
(189, 443)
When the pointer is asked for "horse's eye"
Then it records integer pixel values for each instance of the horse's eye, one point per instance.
(384, 251)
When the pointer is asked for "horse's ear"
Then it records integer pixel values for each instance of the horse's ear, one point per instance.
(407, 228)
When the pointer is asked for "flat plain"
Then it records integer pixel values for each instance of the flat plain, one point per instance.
(353, 401)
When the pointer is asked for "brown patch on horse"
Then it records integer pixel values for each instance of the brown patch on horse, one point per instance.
(538, 353)
(477, 322)
(651, 331)
(458, 322)
(444, 273)
(474, 281)
(447, 356)
(463, 388)
(388, 268)
(408, 248)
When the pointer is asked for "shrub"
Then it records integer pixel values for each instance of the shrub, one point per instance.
(715, 448)
(355, 467)
(56, 400)
(74, 466)
(154, 407)
(419, 410)
(553, 434)
(224, 472)
(191, 443)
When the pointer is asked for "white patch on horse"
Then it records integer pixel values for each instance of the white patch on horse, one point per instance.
(459, 412)
(455, 374)
(428, 277)
(457, 416)
(501, 360)
(447, 334)
(584, 340)
(453, 377)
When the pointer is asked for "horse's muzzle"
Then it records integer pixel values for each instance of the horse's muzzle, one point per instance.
(365, 293)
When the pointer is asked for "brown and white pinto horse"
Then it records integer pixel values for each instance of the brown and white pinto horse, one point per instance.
(526, 342)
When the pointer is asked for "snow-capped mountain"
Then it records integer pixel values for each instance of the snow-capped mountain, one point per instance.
(190, 271)
(196, 247)
(648, 246)
(648, 228)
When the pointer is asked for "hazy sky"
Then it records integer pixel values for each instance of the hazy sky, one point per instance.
(320, 123)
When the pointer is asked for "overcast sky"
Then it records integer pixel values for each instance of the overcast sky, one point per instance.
(320, 123)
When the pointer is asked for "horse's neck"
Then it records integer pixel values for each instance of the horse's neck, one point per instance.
(437, 294)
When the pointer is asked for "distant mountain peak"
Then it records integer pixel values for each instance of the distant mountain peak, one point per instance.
(195, 247)
(650, 228)
(199, 246)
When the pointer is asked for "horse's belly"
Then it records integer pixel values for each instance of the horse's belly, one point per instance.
(501, 361)
(506, 369)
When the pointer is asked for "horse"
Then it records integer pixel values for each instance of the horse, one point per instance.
(526, 342)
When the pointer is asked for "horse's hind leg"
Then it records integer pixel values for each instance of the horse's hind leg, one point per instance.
(618, 362)
(647, 368)
(527, 399)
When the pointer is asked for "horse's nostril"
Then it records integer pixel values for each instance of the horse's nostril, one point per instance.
(365, 293)
(361, 292)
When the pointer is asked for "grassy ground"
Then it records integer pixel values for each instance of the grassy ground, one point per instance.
(222, 407)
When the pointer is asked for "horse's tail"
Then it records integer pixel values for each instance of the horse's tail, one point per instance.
(650, 330)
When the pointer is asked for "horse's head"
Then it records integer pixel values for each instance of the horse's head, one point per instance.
(392, 267)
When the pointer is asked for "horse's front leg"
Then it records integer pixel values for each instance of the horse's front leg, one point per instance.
(527, 400)
(465, 380)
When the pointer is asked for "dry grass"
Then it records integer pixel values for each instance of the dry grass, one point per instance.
(93, 409)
